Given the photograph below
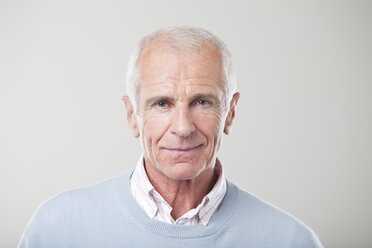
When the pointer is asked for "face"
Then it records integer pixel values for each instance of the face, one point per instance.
(182, 112)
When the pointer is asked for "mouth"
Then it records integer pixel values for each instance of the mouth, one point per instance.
(183, 149)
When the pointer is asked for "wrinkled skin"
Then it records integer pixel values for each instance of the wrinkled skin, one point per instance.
(182, 114)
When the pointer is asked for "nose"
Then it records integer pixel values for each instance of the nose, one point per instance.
(182, 122)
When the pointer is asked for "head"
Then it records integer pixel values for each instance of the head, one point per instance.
(181, 99)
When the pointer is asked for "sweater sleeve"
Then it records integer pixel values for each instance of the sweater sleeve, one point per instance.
(37, 231)
(306, 238)
(49, 225)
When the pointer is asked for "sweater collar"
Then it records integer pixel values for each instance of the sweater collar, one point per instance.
(221, 219)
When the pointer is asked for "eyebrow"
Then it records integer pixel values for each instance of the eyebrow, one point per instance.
(155, 99)
(205, 96)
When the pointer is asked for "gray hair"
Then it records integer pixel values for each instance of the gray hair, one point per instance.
(183, 39)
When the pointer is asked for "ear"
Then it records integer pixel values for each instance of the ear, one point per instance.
(231, 114)
(131, 117)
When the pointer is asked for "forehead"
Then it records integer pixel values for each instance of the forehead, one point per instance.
(165, 67)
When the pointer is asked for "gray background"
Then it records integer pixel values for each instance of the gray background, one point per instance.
(302, 138)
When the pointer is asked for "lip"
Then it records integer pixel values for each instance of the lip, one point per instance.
(183, 149)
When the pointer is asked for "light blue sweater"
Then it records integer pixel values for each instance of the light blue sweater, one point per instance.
(106, 215)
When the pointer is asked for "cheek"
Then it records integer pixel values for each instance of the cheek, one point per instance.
(209, 124)
(154, 128)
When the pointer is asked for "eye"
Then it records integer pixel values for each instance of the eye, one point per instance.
(161, 104)
(202, 102)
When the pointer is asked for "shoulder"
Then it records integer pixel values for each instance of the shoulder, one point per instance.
(85, 196)
(270, 224)
(55, 219)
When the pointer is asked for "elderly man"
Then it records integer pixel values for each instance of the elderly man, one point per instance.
(181, 99)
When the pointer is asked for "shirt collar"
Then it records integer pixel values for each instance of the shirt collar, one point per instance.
(150, 200)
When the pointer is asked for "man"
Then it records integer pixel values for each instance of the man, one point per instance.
(181, 99)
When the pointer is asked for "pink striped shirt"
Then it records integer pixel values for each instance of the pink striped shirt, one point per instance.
(157, 208)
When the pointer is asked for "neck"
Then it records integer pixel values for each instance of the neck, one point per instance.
(182, 195)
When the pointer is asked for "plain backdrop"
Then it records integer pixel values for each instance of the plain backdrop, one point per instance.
(302, 137)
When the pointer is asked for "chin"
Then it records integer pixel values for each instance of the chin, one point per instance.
(182, 171)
